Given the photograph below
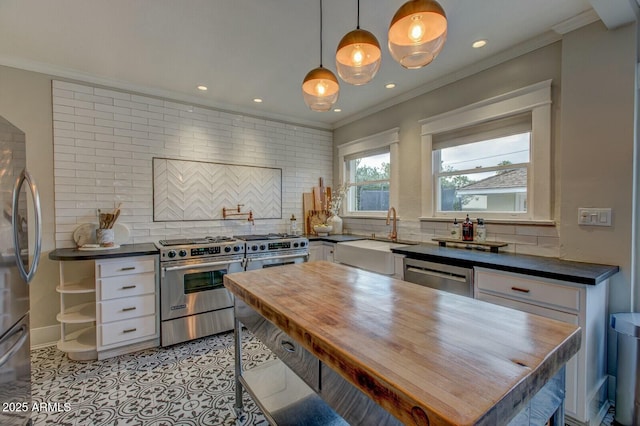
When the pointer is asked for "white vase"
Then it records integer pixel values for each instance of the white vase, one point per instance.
(335, 222)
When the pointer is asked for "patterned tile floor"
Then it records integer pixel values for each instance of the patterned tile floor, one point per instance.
(187, 384)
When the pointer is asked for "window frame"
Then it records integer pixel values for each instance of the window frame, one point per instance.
(535, 99)
(370, 145)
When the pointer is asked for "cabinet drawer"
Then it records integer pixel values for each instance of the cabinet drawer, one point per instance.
(529, 290)
(123, 331)
(130, 307)
(126, 266)
(126, 285)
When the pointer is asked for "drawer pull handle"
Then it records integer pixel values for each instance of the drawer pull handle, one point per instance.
(521, 290)
(128, 287)
(133, 308)
(129, 330)
(128, 268)
(288, 346)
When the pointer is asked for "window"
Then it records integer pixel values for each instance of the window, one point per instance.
(370, 166)
(491, 158)
(369, 176)
(483, 168)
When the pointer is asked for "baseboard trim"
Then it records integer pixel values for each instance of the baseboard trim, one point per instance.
(43, 337)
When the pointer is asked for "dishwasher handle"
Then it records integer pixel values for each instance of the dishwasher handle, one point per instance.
(435, 273)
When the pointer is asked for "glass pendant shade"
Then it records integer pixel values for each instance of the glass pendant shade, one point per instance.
(417, 33)
(320, 89)
(358, 57)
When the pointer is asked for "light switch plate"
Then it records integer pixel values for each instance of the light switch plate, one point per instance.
(591, 216)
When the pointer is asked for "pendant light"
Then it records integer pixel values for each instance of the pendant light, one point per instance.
(417, 33)
(320, 86)
(358, 56)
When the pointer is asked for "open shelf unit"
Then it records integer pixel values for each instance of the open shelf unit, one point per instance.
(77, 315)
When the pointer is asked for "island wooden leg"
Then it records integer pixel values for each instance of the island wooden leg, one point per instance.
(237, 334)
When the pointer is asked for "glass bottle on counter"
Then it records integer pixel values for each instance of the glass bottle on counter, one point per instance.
(293, 225)
(481, 231)
(467, 230)
(455, 230)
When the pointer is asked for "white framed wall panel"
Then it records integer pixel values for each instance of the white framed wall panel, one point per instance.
(186, 190)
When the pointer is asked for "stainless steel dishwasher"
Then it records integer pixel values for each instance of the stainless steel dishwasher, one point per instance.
(453, 279)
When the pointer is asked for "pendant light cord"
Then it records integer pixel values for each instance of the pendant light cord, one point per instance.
(358, 25)
(320, 33)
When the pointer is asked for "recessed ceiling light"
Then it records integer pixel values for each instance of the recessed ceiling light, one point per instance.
(337, 110)
(390, 85)
(203, 88)
(479, 43)
(257, 100)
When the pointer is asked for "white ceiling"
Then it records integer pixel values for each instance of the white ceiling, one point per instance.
(243, 49)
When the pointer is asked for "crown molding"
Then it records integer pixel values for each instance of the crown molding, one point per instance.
(578, 21)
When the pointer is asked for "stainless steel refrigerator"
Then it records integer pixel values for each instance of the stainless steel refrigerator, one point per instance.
(18, 264)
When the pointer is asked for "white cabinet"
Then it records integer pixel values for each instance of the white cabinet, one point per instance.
(108, 306)
(126, 305)
(321, 250)
(586, 398)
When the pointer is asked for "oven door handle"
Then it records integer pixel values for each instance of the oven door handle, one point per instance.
(199, 265)
(286, 256)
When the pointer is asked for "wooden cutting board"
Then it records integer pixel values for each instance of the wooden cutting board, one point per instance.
(320, 196)
(307, 207)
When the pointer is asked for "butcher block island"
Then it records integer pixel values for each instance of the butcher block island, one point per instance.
(424, 356)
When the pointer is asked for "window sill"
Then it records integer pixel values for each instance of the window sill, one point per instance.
(536, 222)
(382, 216)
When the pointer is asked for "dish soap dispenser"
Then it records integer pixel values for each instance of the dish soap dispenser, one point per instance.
(455, 230)
(481, 232)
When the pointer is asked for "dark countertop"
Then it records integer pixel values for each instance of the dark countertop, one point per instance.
(126, 250)
(336, 238)
(545, 267)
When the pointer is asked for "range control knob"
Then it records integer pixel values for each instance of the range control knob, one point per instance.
(236, 248)
(171, 254)
(262, 247)
(254, 248)
(295, 245)
(227, 249)
(302, 244)
(182, 253)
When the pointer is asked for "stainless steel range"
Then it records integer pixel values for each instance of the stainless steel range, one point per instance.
(265, 251)
(193, 300)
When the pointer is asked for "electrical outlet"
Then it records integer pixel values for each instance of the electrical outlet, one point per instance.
(588, 216)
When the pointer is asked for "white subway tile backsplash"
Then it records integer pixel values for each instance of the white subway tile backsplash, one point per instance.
(129, 104)
(89, 113)
(113, 109)
(93, 98)
(72, 103)
(147, 100)
(73, 87)
(113, 137)
(111, 94)
(61, 93)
